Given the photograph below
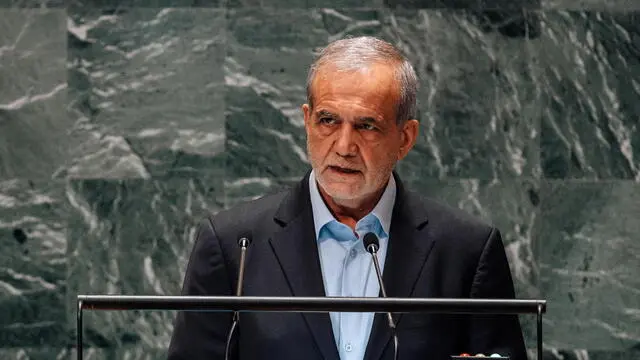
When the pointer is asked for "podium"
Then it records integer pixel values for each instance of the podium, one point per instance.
(309, 304)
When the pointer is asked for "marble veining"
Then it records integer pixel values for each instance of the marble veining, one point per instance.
(122, 124)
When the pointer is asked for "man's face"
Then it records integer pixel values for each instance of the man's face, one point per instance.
(353, 139)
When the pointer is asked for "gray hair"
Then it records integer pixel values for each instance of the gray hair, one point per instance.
(353, 54)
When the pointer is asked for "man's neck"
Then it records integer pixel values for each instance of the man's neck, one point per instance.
(349, 212)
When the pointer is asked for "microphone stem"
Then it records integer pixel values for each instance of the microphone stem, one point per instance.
(243, 251)
(376, 264)
(372, 245)
(244, 243)
(374, 254)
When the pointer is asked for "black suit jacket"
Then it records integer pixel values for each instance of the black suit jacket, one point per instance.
(434, 252)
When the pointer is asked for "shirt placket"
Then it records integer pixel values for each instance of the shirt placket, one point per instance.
(349, 266)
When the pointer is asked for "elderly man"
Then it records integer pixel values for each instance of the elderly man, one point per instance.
(307, 241)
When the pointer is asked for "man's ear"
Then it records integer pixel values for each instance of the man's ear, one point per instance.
(409, 135)
(306, 110)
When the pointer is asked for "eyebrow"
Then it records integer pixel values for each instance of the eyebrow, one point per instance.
(364, 119)
(368, 119)
(325, 113)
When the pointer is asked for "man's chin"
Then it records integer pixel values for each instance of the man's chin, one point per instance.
(339, 193)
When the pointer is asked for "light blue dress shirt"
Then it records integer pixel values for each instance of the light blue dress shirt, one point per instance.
(347, 268)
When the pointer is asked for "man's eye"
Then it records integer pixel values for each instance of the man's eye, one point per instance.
(327, 120)
(366, 126)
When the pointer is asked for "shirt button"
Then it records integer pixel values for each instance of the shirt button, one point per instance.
(353, 253)
(348, 347)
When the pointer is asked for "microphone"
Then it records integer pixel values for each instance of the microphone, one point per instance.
(243, 243)
(372, 245)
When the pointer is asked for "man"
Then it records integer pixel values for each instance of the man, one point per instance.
(359, 122)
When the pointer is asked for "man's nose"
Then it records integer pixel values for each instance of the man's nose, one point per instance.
(345, 144)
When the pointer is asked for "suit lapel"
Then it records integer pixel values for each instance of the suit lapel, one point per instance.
(297, 252)
(408, 251)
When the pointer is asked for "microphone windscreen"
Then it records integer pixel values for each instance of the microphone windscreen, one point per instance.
(244, 237)
(370, 239)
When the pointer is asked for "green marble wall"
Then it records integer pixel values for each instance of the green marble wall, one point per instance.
(122, 123)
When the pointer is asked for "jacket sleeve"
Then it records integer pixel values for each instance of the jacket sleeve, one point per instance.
(500, 334)
(202, 335)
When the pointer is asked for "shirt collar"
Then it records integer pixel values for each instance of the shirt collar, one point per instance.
(382, 211)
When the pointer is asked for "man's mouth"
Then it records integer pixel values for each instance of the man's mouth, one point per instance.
(343, 170)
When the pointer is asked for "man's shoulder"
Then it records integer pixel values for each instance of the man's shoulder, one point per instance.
(249, 213)
(448, 221)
